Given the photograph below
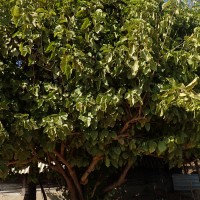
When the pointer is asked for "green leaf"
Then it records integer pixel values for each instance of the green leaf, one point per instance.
(65, 66)
(135, 68)
(94, 135)
(132, 145)
(166, 4)
(85, 24)
(107, 161)
(109, 57)
(117, 150)
(121, 141)
(113, 135)
(147, 126)
(58, 31)
(152, 146)
(125, 155)
(86, 120)
(41, 10)
(24, 50)
(16, 11)
(191, 85)
(162, 146)
(114, 162)
(89, 68)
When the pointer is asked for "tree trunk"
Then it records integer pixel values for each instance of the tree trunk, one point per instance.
(74, 192)
(30, 186)
(72, 188)
(30, 193)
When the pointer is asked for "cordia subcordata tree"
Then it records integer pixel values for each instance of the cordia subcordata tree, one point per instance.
(89, 86)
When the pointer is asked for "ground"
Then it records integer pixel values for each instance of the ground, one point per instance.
(52, 194)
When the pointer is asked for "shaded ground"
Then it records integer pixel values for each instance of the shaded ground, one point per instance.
(14, 192)
(170, 196)
(54, 195)
(9, 193)
(148, 192)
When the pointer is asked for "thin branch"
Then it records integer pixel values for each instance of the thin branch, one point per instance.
(25, 162)
(71, 172)
(62, 149)
(131, 121)
(95, 187)
(75, 133)
(134, 119)
(91, 167)
(121, 179)
(121, 136)
(49, 158)
(140, 111)
(128, 110)
(98, 182)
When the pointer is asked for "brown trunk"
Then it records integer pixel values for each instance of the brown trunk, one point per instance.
(72, 175)
(74, 194)
(71, 188)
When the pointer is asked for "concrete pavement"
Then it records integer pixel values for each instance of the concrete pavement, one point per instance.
(51, 193)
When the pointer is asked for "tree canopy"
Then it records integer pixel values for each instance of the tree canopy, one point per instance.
(89, 86)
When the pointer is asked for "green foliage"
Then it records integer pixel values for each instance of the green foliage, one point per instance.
(119, 79)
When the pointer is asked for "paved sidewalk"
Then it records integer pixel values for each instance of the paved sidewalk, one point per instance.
(51, 193)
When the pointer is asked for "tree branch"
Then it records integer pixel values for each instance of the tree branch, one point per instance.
(62, 159)
(95, 187)
(121, 136)
(131, 121)
(57, 167)
(70, 184)
(49, 158)
(91, 167)
(62, 149)
(25, 162)
(98, 182)
(121, 179)
(71, 172)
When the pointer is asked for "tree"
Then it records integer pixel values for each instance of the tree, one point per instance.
(89, 86)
